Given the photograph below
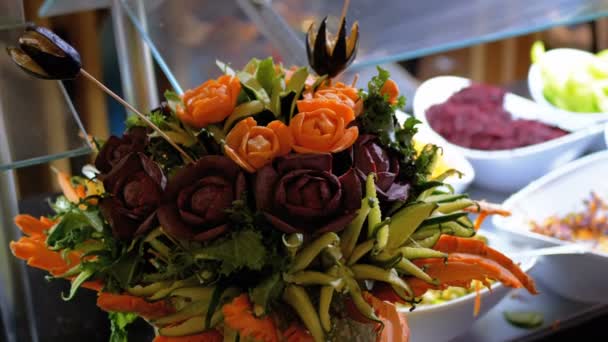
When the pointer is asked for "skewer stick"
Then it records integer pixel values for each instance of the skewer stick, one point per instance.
(355, 79)
(345, 9)
(140, 115)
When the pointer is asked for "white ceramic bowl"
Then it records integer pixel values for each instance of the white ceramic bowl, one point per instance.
(451, 157)
(582, 277)
(445, 321)
(509, 170)
(560, 59)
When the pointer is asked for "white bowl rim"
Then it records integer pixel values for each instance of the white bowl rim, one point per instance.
(512, 153)
(526, 266)
(537, 185)
(536, 88)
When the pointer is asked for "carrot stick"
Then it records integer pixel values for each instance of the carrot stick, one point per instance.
(477, 305)
(127, 303)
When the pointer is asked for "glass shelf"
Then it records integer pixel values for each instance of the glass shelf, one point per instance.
(58, 7)
(186, 36)
(37, 118)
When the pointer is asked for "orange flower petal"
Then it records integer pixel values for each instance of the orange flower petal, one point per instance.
(348, 139)
(284, 135)
(343, 110)
(35, 252)
(31, 226)
(230, 153)
(235, 136)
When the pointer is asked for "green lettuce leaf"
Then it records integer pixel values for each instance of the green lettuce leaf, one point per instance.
(243, 249)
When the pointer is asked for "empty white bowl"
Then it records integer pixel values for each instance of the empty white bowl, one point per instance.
(445, 321)
(452, 158)
(509, 170)
(581, 277)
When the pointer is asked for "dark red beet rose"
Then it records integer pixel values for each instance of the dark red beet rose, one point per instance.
(299, 193)
(197, 196)
(116, 148)
(368, 156)
(136, 185)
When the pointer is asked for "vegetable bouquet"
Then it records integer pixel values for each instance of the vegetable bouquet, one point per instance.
(296, 209)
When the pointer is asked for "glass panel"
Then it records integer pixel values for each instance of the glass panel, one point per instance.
(186, 36)
(396, 29)
(37, 120)
(58, 7)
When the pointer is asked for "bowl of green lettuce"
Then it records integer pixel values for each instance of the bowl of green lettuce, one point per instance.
(573, 82)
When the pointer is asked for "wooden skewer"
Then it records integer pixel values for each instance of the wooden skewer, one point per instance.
(140, 115)
(344, 9)
(355, 79)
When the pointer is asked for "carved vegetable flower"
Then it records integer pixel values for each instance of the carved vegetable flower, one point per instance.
(331, 56)
(299, 193)
(253, 146)
(343, 95)
(211, 102)
(368, 156)
(321, 127)
(197, 196)
(135, 184)
(115, 148)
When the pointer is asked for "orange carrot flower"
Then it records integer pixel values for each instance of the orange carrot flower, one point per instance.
(322, 130)
(238, 315)
(211, 102)
(391, 89)
(253, 146)
(343, 97)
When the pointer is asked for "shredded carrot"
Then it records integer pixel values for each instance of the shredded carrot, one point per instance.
(452, 244)
(127, 303)
(238, 315)
(477, 305)
(479, 220)
(207, 336)
(296, 333)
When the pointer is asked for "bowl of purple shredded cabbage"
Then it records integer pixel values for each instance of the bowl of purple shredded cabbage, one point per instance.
(508, 139)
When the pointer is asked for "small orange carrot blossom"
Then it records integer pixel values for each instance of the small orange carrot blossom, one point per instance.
(253, 146)
(238, 315)
(211, 102)
(391, 89)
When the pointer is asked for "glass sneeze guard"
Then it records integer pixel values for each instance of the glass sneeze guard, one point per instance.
(186, 36)
(37, 119)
